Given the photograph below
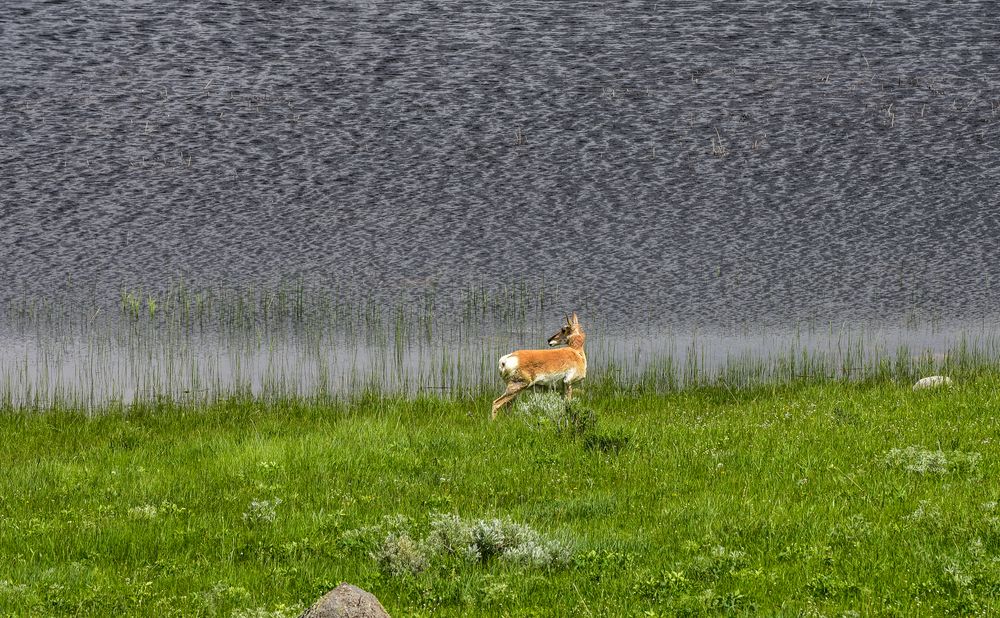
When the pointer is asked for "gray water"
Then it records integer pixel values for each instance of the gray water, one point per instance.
(670, 163)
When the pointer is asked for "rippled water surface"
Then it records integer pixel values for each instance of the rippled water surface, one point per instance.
(703, 163)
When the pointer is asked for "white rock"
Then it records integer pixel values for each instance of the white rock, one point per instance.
(931, 382)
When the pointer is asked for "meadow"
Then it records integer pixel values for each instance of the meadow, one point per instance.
(819, 498)
(239, 452)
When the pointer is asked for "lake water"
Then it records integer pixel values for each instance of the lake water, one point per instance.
(650, 164)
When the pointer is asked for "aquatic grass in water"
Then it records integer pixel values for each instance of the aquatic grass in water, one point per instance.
(202, 345)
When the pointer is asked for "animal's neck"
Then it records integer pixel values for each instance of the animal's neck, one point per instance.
(575, 341)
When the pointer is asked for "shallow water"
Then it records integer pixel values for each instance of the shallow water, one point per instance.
(689, 164)
(92, 362)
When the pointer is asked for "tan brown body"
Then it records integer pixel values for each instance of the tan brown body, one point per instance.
(526, 368)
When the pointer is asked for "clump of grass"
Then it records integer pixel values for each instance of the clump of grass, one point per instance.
(612, 442)
(691, 586)
(222, 594)
(829, 586)
(579, 419)
(920, 460)
(573, 419)
(153, 511)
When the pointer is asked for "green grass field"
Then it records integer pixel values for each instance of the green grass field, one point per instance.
(821, 499)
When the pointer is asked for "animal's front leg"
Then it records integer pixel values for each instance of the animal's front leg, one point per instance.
(512, 390)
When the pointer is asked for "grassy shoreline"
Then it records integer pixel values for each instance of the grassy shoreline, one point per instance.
(807, 499)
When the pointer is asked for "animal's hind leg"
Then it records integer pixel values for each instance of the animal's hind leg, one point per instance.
(512, 390)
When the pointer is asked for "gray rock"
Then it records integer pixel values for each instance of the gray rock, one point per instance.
(346, 601)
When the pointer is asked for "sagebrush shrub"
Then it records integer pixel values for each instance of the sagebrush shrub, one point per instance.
(399, 555)
(550, 409)
(480, 540)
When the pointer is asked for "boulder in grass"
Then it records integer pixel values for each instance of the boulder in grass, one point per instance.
(346, 601)
(931, 382)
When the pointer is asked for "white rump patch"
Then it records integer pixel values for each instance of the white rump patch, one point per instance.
(508, 363)
(932, 382)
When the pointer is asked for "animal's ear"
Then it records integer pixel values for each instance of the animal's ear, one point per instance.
(576, 320)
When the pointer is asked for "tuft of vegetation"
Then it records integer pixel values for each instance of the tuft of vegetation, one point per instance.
(612, 442)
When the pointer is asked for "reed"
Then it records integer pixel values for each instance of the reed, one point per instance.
(290, 341)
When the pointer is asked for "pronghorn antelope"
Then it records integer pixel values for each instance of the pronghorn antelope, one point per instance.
(525, 368)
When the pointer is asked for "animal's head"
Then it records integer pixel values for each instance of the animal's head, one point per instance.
(567, 334)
